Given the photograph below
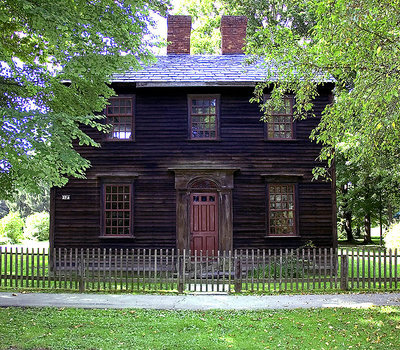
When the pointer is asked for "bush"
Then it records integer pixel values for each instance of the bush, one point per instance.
(287, 267)
(392, 239)
(3, 238)
(37, 226)
(11, 228)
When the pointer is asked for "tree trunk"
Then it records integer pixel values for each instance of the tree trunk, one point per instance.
(348, 216)
(390, 213)
(358, 232)
(367, 226)
(347, 226)
(380, 226)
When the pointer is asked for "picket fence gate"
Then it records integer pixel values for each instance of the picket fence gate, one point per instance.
(242, 270)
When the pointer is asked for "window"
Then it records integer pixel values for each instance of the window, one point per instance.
(280, 123)
(281, 211)
(203, 117)
(117, 210)
(120, 115)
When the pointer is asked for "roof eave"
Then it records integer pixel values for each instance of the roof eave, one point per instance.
(188, 83)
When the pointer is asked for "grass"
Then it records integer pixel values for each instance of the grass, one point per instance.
(50, 328)
(359, 243)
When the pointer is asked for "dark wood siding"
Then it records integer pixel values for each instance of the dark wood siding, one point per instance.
(162, 142)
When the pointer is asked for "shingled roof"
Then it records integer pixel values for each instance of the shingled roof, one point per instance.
(196, 70)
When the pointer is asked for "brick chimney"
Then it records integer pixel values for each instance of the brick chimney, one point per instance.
(233, 32)
(179, 28)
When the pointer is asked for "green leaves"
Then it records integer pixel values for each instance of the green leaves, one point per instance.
(357, 46)
(43, 45)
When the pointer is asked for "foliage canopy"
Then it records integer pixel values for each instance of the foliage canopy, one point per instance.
(56, 58)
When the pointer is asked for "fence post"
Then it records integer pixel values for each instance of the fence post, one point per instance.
(238, 274)
(183, 268)
(344, 272)
(180, 274)
(81, 276)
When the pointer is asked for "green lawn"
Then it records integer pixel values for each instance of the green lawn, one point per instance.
(374, 328)
(359, 243)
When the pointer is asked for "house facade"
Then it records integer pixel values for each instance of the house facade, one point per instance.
(188, 163)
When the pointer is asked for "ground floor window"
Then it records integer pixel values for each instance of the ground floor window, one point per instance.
(281, 209)
(117, 210)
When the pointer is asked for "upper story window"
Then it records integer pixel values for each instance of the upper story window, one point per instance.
(120, 115)
(280, 123)
(203, 117)
(281, 210)
(117, 210)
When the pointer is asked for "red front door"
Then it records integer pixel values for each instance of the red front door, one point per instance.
(204, 222)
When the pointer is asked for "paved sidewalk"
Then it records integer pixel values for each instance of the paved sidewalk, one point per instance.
(197, 302)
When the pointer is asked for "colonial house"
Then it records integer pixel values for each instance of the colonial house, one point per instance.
(189, 164)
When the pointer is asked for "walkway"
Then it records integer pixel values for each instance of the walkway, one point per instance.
(197, 302)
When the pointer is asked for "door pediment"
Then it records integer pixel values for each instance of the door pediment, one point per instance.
(185, 176)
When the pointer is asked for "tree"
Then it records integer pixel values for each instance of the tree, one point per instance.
(206, 36)
(27, 203)
(364, 196)
(3, 209)
(356, 45)
(57, 58)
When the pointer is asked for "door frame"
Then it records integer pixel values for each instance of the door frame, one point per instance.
(197, 179)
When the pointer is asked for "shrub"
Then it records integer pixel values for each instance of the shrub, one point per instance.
(287, 267)
(11, 227)
(392, 239)
(37, 226)
(3, 238)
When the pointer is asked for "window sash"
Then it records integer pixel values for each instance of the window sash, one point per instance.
(282, 209)
(120, 115)
(280, 123)
(203, 117)
(117, 210)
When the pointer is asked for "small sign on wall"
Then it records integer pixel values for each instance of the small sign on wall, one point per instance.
(65, 197)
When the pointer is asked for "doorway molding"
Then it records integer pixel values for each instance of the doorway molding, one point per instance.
(197, 178)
